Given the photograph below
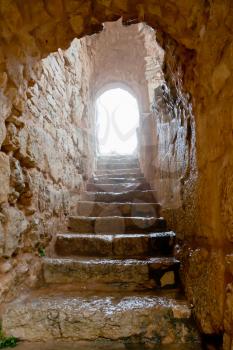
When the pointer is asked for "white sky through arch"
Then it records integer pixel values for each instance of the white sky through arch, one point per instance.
(117, 121)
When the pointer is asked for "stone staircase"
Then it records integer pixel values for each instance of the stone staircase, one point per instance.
(112, 276)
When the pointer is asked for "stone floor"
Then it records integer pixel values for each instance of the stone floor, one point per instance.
(101, 346)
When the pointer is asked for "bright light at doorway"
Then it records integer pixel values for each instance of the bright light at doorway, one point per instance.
(117, 121)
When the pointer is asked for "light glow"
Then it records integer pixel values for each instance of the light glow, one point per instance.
(117, 117)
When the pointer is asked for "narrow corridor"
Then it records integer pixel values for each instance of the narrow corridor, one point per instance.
(119, 252)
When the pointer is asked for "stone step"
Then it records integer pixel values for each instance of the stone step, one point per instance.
(89, 208)
(131, 274)
(148, 196)
(116, 224)
(131, 172)
(114, 245)
(117, 158)
(118, 187)
(137, 318)
(117, 165)
(115, 180)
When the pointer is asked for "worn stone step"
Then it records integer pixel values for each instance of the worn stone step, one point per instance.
(148, 196)
(117, 245)
(131, 172)
(115, 180)
(119, 159)
(137, 317)
(89, 208)
(118, 187)
(125, 273)
(117, 165)
(115, 224)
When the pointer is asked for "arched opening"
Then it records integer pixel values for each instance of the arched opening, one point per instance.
(117, 120)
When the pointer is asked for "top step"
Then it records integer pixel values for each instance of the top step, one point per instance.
(129, 161)
(127, 171)
(117, 158)
(119, 178)
(116, 165)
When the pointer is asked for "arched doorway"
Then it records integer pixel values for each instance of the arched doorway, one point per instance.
(117, 120)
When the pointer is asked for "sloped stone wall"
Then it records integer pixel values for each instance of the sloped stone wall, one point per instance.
(45, 159)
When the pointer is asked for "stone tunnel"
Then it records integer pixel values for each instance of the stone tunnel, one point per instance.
(157, 225)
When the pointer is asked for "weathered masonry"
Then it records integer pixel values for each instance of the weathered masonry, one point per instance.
(176, 59)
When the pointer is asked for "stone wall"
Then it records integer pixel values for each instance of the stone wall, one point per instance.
(192, 179)
(201, 32)
(169, 138)
(147, 133)
(45, 158)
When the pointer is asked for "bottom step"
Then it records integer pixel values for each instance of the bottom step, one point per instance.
(134, 318)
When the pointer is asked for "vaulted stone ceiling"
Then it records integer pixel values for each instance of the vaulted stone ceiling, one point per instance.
(55, 23)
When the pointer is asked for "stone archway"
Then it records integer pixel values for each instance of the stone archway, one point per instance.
(121, 85)
(122, 136)
(132, 90)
